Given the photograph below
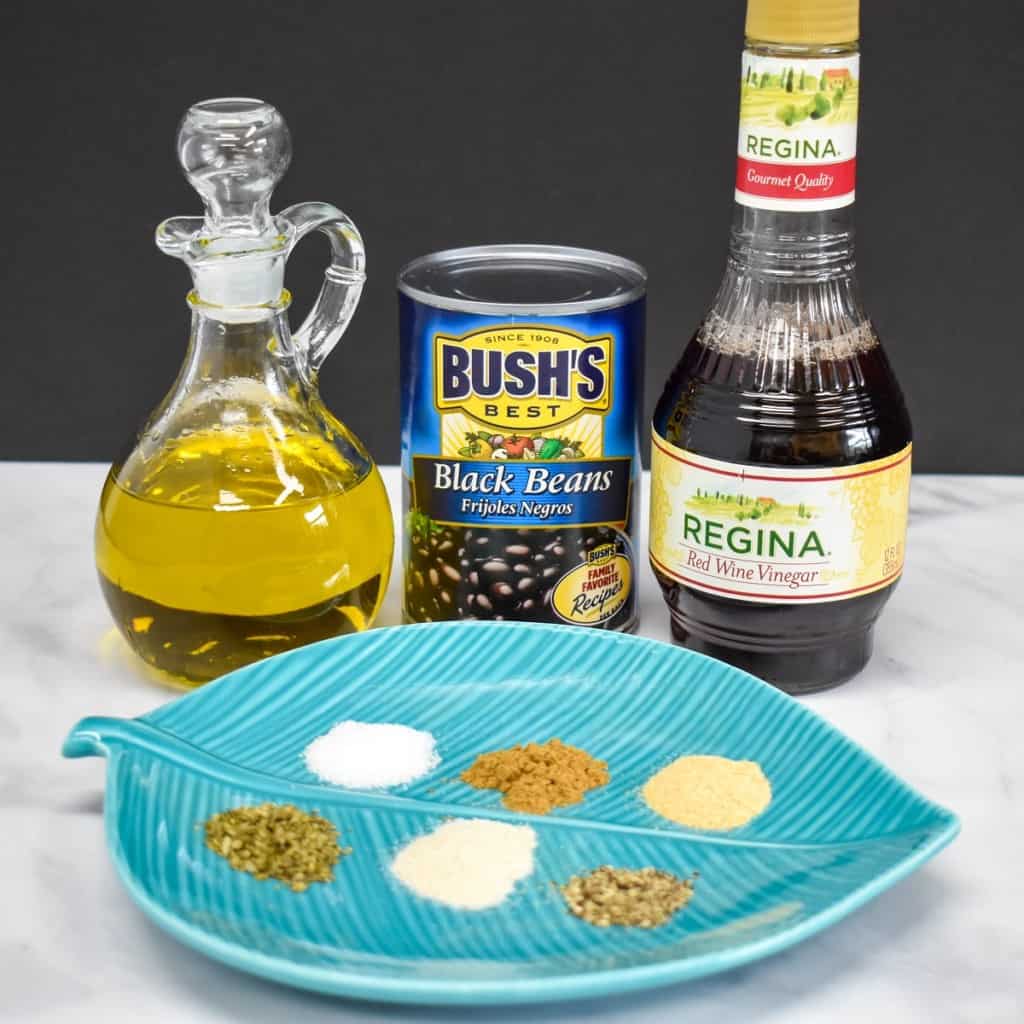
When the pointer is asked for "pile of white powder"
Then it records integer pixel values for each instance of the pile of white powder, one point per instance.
(370, 755)
(472, 864)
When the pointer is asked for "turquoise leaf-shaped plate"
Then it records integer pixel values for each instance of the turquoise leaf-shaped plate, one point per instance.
(840, 829)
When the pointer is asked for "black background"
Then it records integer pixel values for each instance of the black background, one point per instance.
(610, 125)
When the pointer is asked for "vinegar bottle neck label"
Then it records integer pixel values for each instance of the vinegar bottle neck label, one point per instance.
(797, 148)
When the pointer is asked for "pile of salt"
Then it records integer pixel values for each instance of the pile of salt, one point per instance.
(371, 755)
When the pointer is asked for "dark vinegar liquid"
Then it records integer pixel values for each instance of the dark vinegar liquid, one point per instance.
(744, 408)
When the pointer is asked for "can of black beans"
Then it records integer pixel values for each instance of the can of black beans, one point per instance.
(521, 380)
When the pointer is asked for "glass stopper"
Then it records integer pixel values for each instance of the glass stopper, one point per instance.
(234, 152)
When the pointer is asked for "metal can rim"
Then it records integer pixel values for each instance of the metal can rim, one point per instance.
(555, 254)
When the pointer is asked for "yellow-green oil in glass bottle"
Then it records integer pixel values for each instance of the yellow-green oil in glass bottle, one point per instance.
(228, 548)
(246, 520)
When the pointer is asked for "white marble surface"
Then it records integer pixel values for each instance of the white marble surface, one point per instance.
(942, 703)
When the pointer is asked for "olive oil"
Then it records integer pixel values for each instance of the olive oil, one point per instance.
(226, 549)
(246, 519)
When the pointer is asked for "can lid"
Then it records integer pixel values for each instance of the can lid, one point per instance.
(803, 21)
(523, 279)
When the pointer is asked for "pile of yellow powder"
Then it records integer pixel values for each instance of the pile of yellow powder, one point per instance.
(536, 777)
(708, 792)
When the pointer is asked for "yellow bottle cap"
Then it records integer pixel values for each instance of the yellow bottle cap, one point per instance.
(803, 21)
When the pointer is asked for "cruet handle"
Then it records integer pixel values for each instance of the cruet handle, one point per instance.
(343, 279)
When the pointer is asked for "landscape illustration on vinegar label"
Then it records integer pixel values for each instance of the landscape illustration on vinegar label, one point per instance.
(798, 132)
(790, 93)
(741, 506)
(772, 534)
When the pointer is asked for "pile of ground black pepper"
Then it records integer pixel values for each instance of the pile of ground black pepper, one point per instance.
(536, 777)
(643, 898)
(276, 841)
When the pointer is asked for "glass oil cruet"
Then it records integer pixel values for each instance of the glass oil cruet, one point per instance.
(246, 520)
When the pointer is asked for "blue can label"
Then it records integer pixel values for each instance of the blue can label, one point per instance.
(519, 450)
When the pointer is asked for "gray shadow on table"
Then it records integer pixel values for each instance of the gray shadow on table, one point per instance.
(83, 803)
(746, 994)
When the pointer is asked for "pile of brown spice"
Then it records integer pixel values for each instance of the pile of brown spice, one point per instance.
(276, 841)
(643, 898)
(536, 777)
